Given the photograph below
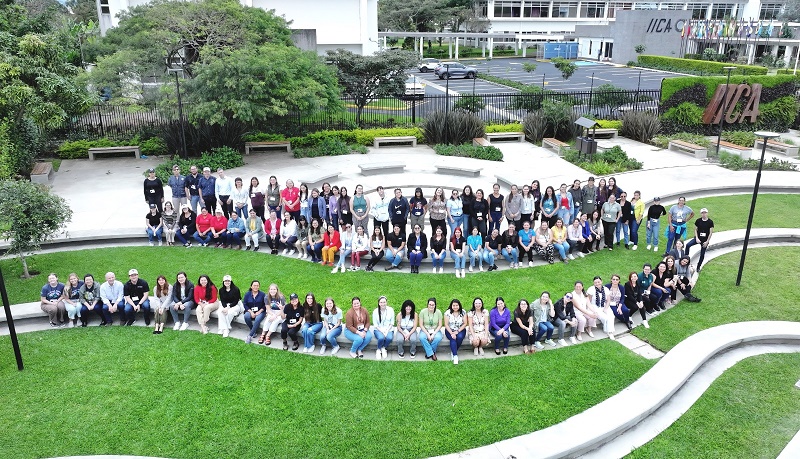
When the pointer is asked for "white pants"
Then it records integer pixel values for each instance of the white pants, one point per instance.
(224, 320)
(251, 237)
(607, 318)
(271, 325)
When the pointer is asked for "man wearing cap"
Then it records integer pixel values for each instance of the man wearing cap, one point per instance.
(223, 188)
(207, 184)
(679, 214)
(192, 182)
(177, 182)
(654, 214)
(587, 202)
(136, 292)
(111, 294)
(153, 189)
(703, 229)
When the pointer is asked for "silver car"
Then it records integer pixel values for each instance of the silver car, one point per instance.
(428, 65)
(447, 70)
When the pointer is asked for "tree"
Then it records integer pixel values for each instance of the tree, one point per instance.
(529, 67)
(29, 216)
(366, 78)
(429, 15)
(248, 86)
(791, 12)
(567, 68)
(83, 11)
(469, 103)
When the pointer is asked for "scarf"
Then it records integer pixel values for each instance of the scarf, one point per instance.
(598, 296)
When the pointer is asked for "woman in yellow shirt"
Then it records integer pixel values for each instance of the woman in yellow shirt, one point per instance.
(638, 213)
(560, 239)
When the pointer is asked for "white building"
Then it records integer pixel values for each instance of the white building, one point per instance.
(348, 24)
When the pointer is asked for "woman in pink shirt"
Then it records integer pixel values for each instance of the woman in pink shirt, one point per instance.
(290, 199)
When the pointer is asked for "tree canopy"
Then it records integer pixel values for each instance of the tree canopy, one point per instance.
(425, 15)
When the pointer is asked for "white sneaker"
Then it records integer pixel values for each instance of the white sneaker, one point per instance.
(335, 350)
(538, 345)
(516, 265)
(385, 353)
(649, 246)
(291, 252)
(550, 342)
(433, 270)
(572, 340)
(571, 257)
(322, 349)
(285, 251)
(480, 351)
(160, 243)
(458, 274)
(301, 255)
(646, 325)
(530, 264)
(463, 274)
(581, 254)
(455, 360)
(470, 268)
(378, 354)
(580, 337)
(589, 332)
(152, 244)
(611, 337)
(335, 268)
(634, 247)
(312, 348)
(177, 326)
(441, 270)
(225, 333)
(655, 249)
(475, 351)
(184, 326)
(480, 268)
(562, 342)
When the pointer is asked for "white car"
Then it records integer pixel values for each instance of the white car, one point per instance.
(415, 87)
(428, 65)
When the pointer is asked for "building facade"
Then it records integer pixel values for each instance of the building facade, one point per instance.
(348, 24)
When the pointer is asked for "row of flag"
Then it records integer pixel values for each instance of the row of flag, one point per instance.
(704, 29)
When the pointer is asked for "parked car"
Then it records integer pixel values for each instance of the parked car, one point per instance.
(428, 65)
(415, 87)
(447, 70)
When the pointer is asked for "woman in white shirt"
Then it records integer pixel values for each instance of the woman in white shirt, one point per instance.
(332, 327)
(600, 301)
(360, 248)
(346, 249)
(478, 326)
(240, 198)
(586, 317)
(407, 329)
(288, 236)
(455, 324)
(455, 212)
(383, 327)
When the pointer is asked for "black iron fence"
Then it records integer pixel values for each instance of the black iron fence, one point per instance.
(125, 121)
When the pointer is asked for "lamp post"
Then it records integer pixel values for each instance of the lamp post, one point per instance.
(12, 332)
(447, 103)
(765, 135)
(724, 106)
(184, 155)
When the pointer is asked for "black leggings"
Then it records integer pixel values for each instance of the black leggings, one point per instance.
(633, 307)
(523, 334)
(289, 332)
(374, 259)
(608, 233)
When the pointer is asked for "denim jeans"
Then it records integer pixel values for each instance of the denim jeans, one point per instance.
(359, 343)
(691, 243)
(84, 315)
(545, 328)
(456, 343)
(489, 255)
(512, 256)
(309, 331)
(73, 310)
(459, 258)
(187, 312)
(329, 337)
(202, 239)
(432, 345)
(415, 258)
(438, 259)
(624, 316)
(343, 255)
(563, 248)
(652, 231)
(497, 219)
(412, 340)
(634, 227)
(130, 315)
(679, 231)
(108, 318)
(233, 238)
(498, 337)
(254, 323)
(383, 340)
(194, 200)
(457, 221)
(394, 260)
(242, 212)
(316, 251)
(624, 227)
(474, 255)
(154, 235)
(564, 215)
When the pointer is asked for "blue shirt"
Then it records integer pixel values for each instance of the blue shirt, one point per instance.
(178, 185)
(255, 304)
(52, 293)
(207, 185)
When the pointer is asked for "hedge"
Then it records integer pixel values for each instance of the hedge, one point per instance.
(469, 151)
(675, 64)
(79, 149)
(351, 137)
(669, 86)
(510, 127)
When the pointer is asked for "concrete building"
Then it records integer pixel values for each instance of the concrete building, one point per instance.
(348, 24)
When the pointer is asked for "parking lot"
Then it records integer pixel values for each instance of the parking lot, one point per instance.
(545, 74)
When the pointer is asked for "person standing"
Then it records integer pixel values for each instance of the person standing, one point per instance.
(636, 219)
(290, 199)
(577, 200)
(623, 223)
(380, 211)
(588, 195)
(192, 183)
(495, 210)
(703, 229)
(398, 211)
(679, 214)
(654, 214)
(223, 189)
(207, 184)
(153, 189)
(610, 216)
(177, 183)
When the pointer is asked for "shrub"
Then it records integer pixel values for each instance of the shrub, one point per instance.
(694, 66)
(610, 124)
(566, 67)
(224, 157)
(456, 127)
(535, 126)
(510, 127)
(79, 149)
(631, 64)
(736, 163)
(640, 126)
(741, 138)
(329, 146)
(529, 99)
(154, 146)
(685, 114)
(366, 137)
(263, 137)
(610, 96)
(778, 115)
(662, 141)
(470, 103)
(469, 151)
(560, 119)
(610, 161)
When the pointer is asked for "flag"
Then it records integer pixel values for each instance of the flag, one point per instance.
(750, 28)
(769, 30)
(721, 30)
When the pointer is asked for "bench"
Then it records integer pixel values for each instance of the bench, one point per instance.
(459, 170)
(604, 145)
(316, 181)
(41, 172)
(506, 182)
(737, 150)
(283, 144)
(610, 133)
(513, 136)
(780, 147)
(696, 150)
(382, 168)
(554, 144)
(480, 142)
(378, 141)
(112, 150)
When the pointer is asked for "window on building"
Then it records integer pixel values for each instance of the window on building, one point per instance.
(645, 6)
(565, 9)
(482, 8)
(536, 9)
(104, 8)
(593, 10)
(613, 7)
(673, 6)
(507, 8)
(699, 10)
(722, 11)
(770, 10)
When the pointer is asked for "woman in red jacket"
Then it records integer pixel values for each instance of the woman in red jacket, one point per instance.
(331, 243)
(205, 297)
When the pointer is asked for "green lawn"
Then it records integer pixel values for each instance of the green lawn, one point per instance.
(751, 411)
(762, 296)
(730, 212)
(122, 390)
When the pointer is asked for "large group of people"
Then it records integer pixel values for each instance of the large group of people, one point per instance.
(467, 227)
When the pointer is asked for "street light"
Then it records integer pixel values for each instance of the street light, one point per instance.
(724, 106)
(447, 102)
(175, 67)
(12, 332)
(765, 135)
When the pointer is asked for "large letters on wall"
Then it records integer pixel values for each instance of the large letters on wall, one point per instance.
(751, 93)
